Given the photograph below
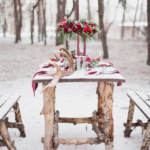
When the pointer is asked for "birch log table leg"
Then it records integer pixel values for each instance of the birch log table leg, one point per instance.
(48, 112)
(105, 105)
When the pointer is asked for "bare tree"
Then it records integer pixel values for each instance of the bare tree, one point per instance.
(32, 20)
(61, 6)
(89, 9)
(18, 19)
(101, 25)
(141, 11)
(4, 27)
(135, 17)
(124, 3)
(44, 21)
(39, 18)
(68, 15)
(148, 32)
(3, 17)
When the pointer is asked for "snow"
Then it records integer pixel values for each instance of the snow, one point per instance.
(18, 62)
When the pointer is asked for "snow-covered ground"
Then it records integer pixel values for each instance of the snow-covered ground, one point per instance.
(18, 62)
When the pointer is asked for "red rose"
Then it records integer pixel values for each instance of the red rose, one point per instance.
(64, 24)
(60, 26)
(74, 29)
(88, 59)
(87, 29)
(65, 29)
(94, 31)
(71, 25)
(78, 25)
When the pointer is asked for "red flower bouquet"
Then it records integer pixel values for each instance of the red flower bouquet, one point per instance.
(82, 28)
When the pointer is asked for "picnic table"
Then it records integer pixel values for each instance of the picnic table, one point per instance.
(101, 119)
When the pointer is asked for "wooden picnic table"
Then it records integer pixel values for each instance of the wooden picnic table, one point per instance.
(101, 120)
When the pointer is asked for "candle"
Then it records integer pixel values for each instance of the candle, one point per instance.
(84, 51)
(78, 49)
(77, 18)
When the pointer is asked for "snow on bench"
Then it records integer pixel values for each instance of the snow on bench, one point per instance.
(142, 101)
(6, 104)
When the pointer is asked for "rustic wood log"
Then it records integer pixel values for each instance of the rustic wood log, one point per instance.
(55, 136)
(146, 140)
(2, 143)
(48, 112)
(128, 130)
(5, 135)
(14, 125)
(139, 123)
(19, 119)
(80, 141)
(105, 120)
(75, 120)
(99, 134)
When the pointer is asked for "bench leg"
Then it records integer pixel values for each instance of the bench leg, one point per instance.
(105, 104)
(128, 125)
(5, 136)
(19, 119)
(146, 140)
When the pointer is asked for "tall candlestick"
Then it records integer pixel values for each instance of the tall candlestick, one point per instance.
(77, 18)
(78, 48)
(84, 51)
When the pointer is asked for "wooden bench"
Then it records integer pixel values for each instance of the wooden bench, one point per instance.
(7, 103)
(142, 102)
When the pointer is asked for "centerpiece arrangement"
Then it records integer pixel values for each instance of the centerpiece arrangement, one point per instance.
(84, 29)
(75, 29)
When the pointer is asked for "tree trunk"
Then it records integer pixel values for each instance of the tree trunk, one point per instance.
(18, 19)
(141, 12)
(61, 5)
(3, 17)
(134, 21)
(32, 21)
(32, 26)
(123, 19)
(68, 15)
(101, 25)
(89, 9)
(44, 21)
(148, 32)
(4, 27)
(39, 17)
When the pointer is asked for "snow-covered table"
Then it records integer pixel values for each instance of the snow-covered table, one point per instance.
(101, 120)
